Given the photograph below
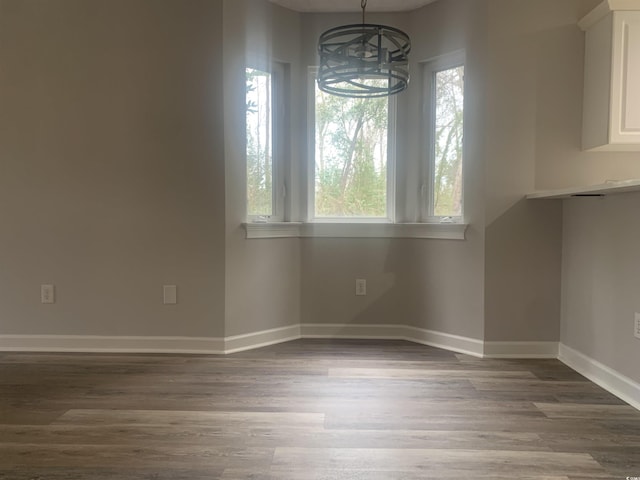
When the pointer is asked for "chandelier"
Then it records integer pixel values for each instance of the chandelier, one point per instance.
(363, 61)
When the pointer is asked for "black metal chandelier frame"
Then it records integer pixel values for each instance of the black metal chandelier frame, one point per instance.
(363, 60)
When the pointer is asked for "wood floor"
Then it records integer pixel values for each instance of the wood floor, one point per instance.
(309, 409)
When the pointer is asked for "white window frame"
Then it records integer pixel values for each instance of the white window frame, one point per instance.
(279, 128)
(311, 142)
(429, 70)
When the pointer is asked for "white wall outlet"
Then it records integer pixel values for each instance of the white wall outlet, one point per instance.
(361, 287)
(636, 330)
(47, 294)
(170, 294)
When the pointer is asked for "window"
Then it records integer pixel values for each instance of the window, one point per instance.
(444, 80)
(351, 176)
(350, 171)
(265, 186)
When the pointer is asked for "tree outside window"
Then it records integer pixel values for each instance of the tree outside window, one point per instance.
(351, 144)
(448, 125)
(259, 117)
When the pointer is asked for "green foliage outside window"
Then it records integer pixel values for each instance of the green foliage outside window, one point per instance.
(259, 143)
(351, 146)
(447, 184)
(350, 156)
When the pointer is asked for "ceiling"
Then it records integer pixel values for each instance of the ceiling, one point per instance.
(351, 5)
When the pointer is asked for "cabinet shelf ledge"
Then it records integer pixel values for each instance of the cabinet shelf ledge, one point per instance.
(608, 188)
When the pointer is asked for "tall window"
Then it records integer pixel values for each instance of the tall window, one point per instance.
(352, 168)
(259, 143)
(445, 90)
(265, 124)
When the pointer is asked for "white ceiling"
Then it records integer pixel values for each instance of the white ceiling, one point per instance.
(351, 5)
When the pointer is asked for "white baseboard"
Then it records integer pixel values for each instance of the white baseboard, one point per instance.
(521, 349)
(446, 341)
(455, 343)
(128, 344)
(236, 343)
(619, 385)
(249, 341)
(110, 344)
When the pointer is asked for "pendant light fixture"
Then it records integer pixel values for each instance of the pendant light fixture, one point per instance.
(363, 61)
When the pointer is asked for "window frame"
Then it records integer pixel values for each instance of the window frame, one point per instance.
(279, 119)
(429, 70)
(311, 161)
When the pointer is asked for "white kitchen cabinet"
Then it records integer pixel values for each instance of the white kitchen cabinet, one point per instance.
(611, 111)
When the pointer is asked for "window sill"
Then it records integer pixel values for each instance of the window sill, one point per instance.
(442, 231)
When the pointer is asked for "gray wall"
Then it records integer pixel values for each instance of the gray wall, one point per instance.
(262, 276)
(522, 278)
(599, 236)
(111, 166)
(432, 284)
(534, 118)
(121, 169)
(600, 283)
(535, 50)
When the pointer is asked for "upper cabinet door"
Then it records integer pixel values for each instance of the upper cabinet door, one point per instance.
(625, 95)
(611, 111)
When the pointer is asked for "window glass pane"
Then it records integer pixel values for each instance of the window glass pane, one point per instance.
(447, 168)
(350, 156)
(259, 143)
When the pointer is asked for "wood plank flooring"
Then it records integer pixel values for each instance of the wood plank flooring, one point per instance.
(309, 410)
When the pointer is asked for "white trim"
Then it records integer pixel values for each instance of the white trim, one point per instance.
(310, 199)
(236, 343)
(249, 341)
(272, 230)
(447, 341)
(455, 343)
(611, 187)
(392, 156)
(521, 349)
(392, 101)
(603, 9)
(619, 385)
(441, 231)
(430, 68)
(129, 344)
(277, 72)
(110, 344)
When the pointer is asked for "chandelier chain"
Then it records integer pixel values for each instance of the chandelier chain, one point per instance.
(363, 5)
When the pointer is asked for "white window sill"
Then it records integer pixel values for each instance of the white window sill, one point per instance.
(443, 231)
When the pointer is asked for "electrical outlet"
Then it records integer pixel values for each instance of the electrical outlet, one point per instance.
(361, 287)
(170, 294)
(47, 294)
(636, 330)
